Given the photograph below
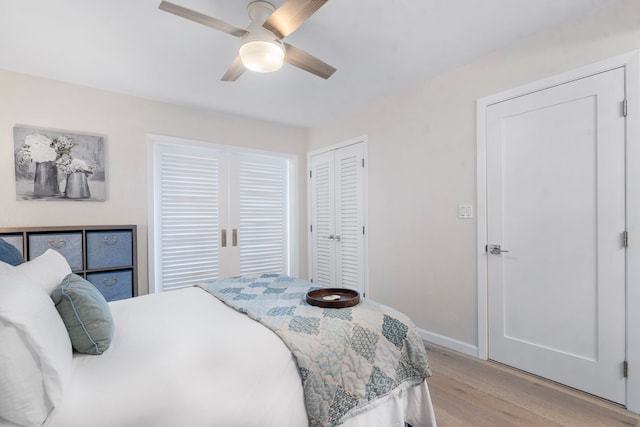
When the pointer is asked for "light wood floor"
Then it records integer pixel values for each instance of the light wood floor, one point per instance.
(471, 392)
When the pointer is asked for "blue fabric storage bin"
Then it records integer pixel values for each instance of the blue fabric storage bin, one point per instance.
(108, 249)
(68, 244)
(114, 285)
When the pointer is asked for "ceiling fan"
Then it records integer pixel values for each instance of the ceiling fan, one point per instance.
(261, 46)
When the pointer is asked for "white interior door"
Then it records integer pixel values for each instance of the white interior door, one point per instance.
(556, 203)
(337, 217)
(322, 193)
(349, 233)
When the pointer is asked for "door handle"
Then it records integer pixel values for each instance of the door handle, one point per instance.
(331, 237)
(338, 238)
(496, 249)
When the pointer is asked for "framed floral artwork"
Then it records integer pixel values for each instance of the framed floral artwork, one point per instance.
(58, 165)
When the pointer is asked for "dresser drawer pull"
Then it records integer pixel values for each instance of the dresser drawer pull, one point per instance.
(61, 244)
(113, 241)
(114, 281)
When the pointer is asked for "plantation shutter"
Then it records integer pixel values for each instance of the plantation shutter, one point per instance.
(202, 194)
(323, 219)
(187, 216)
(349, 216)
(263, 216)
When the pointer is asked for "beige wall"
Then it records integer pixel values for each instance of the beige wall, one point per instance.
(422, 258)
(422, 165)
(126, 121)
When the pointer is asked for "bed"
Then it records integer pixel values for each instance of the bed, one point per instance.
(178, 358)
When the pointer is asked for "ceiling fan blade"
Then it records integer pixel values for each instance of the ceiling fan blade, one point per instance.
(301, 59)
(235, 70)
(288, 17)
(200, 18)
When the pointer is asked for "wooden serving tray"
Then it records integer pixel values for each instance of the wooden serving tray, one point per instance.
(333, 297)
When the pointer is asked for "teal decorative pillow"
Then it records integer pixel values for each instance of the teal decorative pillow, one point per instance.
(9, 253)
(85, 313)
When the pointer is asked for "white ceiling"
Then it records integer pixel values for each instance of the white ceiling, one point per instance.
(378, 47)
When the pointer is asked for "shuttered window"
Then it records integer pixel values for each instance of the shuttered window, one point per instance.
(263, 217)
(201, 193)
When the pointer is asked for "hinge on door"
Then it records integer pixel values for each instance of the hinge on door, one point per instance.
(310, 174)
(625, 239)
(311, 228)
(486, 248)
(625, 369)
(363, 162)
(363, 229)
(624, 108)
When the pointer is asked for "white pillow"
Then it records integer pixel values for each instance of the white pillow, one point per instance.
(46, 271)
(32, 325)
(22, 396)
(4, 267)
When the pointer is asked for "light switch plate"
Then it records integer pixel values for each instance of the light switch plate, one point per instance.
(465, 211)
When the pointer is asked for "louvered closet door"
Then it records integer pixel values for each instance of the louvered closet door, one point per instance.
(187, 216)
(337, 217)
(259, 201)
(349, 240)
(322, 191)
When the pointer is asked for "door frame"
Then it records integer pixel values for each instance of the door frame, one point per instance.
(631, 64)
(364, 139)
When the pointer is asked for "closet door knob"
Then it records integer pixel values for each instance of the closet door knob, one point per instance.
(496, 249)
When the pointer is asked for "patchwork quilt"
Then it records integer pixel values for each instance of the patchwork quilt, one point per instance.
(349, 358)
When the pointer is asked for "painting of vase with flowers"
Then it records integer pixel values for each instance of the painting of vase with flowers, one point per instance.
(58, 165)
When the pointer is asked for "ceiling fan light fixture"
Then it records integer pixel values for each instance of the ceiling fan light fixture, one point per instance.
(261, 46)
(262, 56)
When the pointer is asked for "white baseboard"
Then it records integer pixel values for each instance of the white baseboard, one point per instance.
(450, 343)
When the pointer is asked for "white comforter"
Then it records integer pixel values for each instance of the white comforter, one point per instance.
(183, 358)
